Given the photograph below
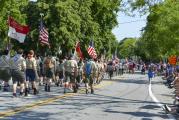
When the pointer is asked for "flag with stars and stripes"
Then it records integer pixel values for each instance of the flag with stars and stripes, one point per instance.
(91, 50)
(43, 35)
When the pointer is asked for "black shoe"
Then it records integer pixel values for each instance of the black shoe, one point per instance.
(75, 89)
(14, 95)
(92, 91)
(57, 84)
(77, 86)
(87, 91)
(35, 91)
(6, 88)
(21, 93)
(26, 92)
(48, 89)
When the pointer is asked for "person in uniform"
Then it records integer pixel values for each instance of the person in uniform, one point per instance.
(90, 70)
(71, 70)
(49, 72)
(60, 73)
(31, 72)
(5, 69)
(18, 67)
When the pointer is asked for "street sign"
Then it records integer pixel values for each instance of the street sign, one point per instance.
(173, 60)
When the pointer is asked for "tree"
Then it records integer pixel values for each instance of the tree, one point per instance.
(67, 21)
(71, 20)
(14, 9)
(127, 47)
(160, 36)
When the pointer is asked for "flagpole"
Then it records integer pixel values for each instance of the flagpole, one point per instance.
(8, 39)
(41, 17)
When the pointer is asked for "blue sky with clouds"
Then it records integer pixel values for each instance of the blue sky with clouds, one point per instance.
(130, 26)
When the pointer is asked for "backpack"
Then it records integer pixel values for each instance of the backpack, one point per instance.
(88, 68)
(48, 62)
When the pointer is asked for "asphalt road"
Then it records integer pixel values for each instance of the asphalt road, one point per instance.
(127, 97)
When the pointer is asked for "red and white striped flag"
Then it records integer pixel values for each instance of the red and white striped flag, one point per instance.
(16, 30)
(43, 35)
(91, 51)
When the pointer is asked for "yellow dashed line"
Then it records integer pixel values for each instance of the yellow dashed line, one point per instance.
(44, 102)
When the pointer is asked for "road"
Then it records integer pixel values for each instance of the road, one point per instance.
(127, 97)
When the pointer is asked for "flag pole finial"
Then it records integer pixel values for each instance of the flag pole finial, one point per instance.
(41, 15)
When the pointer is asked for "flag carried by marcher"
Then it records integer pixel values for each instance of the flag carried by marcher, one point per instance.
(16, 30)
(114, 57)
(78, 51)
(43, 34)
(91, 50)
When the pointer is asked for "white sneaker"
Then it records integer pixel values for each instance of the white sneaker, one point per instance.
(167, 108)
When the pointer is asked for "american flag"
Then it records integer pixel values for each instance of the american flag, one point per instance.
(43, 35)
(91, 50)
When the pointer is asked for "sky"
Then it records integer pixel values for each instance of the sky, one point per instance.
(129, 26)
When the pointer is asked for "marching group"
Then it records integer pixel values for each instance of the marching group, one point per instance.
(69, 73)
(28, 71)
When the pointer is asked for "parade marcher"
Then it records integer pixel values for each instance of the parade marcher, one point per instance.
(71, 69)
(150, 74)
(143, 68)
(101, 71)
(60, 73)
(121, 68)
(40, 69)
(18, 67)
(49, 72)
(90, 69)
(110, 69)
(4, 69)
(98, 72)
(80, 71)
(31, 70)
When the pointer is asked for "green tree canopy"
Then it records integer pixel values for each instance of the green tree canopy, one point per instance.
(127, 47)
(160, 36)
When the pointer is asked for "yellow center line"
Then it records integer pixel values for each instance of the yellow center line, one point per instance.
(44, 102)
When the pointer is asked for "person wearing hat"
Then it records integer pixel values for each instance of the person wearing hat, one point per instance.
(90, 69)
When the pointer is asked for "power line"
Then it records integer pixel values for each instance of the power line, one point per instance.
(133, 21)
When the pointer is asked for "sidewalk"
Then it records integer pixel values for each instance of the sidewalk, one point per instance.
(164, 94)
